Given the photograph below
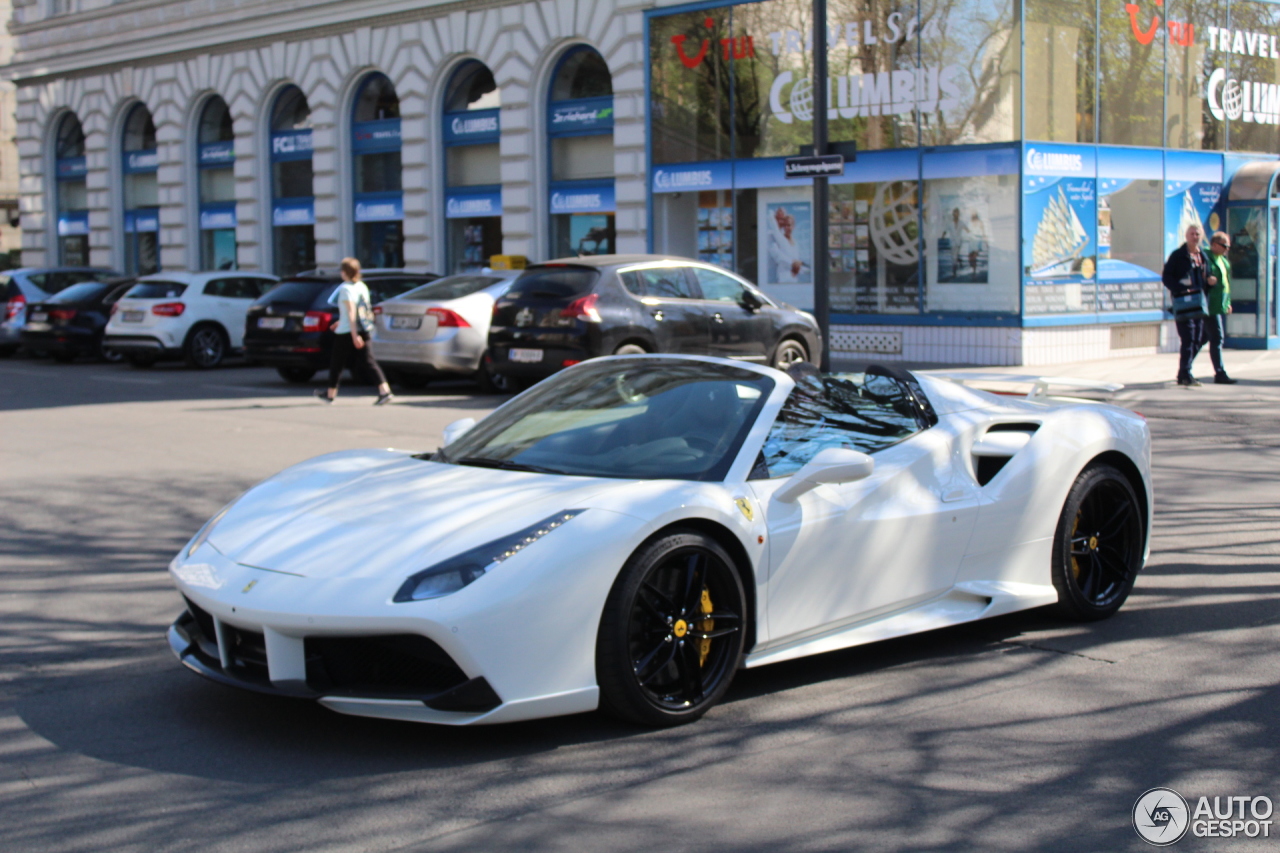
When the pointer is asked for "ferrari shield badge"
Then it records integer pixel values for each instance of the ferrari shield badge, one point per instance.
(744, 504)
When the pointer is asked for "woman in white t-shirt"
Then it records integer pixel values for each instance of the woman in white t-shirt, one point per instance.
(351, 346)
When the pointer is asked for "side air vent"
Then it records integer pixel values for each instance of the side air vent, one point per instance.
(997, 446)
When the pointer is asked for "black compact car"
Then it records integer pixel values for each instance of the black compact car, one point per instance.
(71, 322)
(288, 327)
(562, 312)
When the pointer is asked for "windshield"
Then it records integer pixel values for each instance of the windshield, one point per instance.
(560, 282)
(648, 419)
(79, 292)
(156, 290)
(453, 287)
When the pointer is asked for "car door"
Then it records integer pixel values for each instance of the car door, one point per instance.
(849, 552)
(735, 329)
(668, 297)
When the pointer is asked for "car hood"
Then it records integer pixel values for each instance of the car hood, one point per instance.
(367, 513)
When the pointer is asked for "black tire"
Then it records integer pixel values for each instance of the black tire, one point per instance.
(64, 357)
(789, 351)
(630, 349)
(649, 617)
(142, 361)
(1097, 550)
(7, 352)
(413, 381)
(107, 355)
(296, 374)
(490, 382)
(205, 347)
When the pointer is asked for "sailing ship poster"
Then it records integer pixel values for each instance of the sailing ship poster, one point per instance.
(1188, 203)
(1059, 228)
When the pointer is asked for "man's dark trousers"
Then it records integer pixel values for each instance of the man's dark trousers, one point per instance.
(1192, 333)
(1216, 330)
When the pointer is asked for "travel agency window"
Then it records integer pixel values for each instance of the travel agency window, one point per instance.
(375, 147)
(473, 194)
(141, 195)
(293, 203)
(72, 196)
(1061, 70)
(580, 131)
(215, 162)
(1198, 52)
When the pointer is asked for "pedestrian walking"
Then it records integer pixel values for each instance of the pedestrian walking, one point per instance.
(351, 347)
(1219, 281)
(1186, 275)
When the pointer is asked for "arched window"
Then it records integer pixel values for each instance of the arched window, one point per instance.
(141, 198)
(293, 204)
(215, 161)
(580, 127)
(473, 194)
(72, 197)
(375, 147)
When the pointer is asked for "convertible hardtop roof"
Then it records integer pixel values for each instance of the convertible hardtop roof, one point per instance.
(601, 261)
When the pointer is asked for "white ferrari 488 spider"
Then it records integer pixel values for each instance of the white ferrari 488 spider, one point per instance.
(628, 533)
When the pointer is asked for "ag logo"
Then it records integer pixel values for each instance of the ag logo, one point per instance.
(1161, 816)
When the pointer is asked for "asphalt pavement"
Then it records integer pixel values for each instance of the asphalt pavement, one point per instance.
(1019, 733)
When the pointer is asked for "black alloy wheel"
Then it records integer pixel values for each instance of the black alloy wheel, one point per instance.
(296, 374)
(788, 352)
(1097, 551)
(490, 382)
(672, 632)
(108, 355)
(206, 347)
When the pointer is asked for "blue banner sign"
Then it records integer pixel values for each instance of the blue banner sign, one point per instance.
(71, 168)
(1062, 161)
(215, 218)
(291, 145)
(72, 223)
(693, 177)
(217, 154)
(141, 161)
(373, 136)
(584, 115)
(474, 126)
(465, 205)
(299, 212)
(1130, 164)
(379, 208)
(595, 198)
(141, 221)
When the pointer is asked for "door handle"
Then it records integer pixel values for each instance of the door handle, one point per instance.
(718, 317)
(657, 315)
(955, 495)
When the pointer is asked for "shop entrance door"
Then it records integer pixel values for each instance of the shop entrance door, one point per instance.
(1252, 269)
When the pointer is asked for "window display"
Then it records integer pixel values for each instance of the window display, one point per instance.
(293, 214)
(1060, 70)
(141, 193)
(971, 231)
(1130, 243)
(215, 161)
(1131, 74)
(72, 193)
(1059, 229)
(375, 146)
(473, 200)
(580, 131)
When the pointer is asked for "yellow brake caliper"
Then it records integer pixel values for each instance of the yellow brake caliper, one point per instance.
(1075, 563)
(705, 626)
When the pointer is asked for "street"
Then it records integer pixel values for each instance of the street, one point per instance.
(1023, 732)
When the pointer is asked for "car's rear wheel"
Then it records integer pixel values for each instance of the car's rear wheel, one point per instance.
(1097, 550)
(108, 355)
(205, 348)
(630, 349)
(788, 352)
(490, 382)
(296, 374)
(671, 635)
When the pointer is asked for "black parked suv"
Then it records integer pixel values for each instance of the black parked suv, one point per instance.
(72, 321)
(566, 311)
(288, 327)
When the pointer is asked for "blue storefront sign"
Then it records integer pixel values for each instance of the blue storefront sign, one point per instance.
(141, 161)
(299, 212)
(462, 205)
(141, 221)
(583, 198)
(1059, 213)
(217, 154)
(379, 208)
(291, 145)
(374, 136)
(693, 177)
(73, 223)
(215, 218)
(471, 127)
(71, 168)
(580, 116)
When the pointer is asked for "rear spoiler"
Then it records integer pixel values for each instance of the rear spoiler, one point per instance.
(1040, 385)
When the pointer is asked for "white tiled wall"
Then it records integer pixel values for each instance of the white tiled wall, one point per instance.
(987, 345)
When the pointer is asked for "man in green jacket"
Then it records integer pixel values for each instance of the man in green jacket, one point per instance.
(1219, 298)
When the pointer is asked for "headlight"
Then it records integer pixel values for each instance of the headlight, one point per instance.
(207, 529)
(456, 572)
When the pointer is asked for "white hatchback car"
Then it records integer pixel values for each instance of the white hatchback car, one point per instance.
(197, 316)
(440, 329)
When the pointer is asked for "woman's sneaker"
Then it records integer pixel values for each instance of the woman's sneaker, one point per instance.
(1224, 379)
(323, 394)
(383, 399)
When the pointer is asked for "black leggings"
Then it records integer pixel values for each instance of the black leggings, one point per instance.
(346, 355)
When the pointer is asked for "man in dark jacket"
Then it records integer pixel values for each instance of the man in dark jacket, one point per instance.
(1184, 273)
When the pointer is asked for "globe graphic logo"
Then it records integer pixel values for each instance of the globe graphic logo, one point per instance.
(1232, 99)
(893, 223)
(802, 100)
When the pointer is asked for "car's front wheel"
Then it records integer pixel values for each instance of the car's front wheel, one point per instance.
(788, 352)
(206, 347)
(1097, 550)
(672, 631)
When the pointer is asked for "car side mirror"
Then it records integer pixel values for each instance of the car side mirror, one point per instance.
(750, 301)
(457, 430)
(833, 465)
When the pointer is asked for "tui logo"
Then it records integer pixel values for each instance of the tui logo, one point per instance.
(741, 47)
(1181, 33)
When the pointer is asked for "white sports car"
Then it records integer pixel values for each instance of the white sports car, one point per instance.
(628, 533)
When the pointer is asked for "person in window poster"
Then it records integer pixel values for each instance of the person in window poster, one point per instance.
(784, 252)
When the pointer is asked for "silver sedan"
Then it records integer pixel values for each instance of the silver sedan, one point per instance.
(440, 329)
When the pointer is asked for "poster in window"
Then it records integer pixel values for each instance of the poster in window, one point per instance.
(1059, 228)
(789, 230)
(963, 247)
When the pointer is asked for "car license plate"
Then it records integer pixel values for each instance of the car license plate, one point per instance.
(406, 322)
(270, 322)
(39, 317)
(525, 355)
(131, 316)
